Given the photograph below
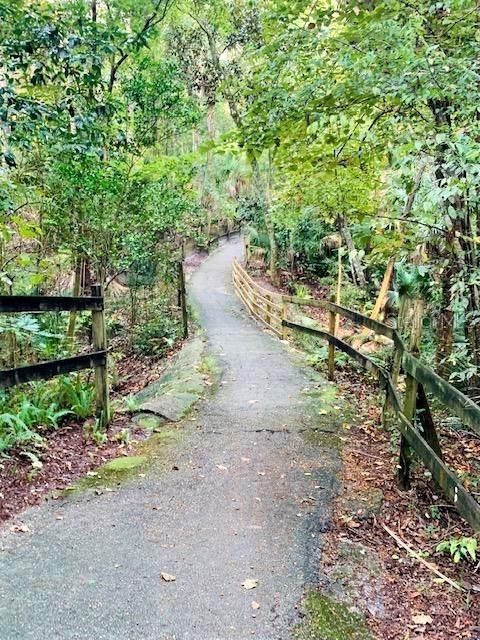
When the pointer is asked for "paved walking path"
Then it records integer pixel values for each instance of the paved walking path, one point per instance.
(244, 493)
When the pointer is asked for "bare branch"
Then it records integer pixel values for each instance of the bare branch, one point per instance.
(155, 18)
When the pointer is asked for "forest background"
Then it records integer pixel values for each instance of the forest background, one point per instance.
(343, 136)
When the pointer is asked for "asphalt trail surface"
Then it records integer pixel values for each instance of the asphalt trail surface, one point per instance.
(242, 495)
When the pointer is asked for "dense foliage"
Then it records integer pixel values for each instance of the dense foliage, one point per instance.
(368, 113)
(130, 128)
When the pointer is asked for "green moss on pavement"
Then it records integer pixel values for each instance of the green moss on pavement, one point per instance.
(124, 463)
(327, 619)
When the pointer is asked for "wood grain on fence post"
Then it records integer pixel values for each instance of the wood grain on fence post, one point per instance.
(284, 319)
(426, 420)
(269, 308)
(411, 389)
(182, 296)
(332, 325)
(409, 408)
(101, 371)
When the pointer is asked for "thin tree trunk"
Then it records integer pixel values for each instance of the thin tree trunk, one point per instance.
(274, 275)
(382, 294)
(77, 286)
(207, 198)
(445, 323)
(472, 324)
(195, 139)
(440, 109)
(356, 265)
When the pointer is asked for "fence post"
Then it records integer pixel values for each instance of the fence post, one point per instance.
(284, 317)
(426, 421)
(332, 325)
(411, 388)
(404, 308)
(247, 251)
(182, 297)
(269, 308)
(396, 364)
(102, 408)
(409, 408)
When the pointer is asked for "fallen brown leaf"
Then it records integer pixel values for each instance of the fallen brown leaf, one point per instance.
(19, 528)
(422, 618)
(167, 577)
(250, 583)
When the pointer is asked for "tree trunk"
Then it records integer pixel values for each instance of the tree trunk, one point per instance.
(262, 194)
(195, 139)
(472, 319)
(440, 109)
(356, 265)
(77, 287)
(207, 197)
(445, 323)
(274, 275)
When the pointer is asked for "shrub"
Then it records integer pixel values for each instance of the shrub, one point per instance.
(158, 329)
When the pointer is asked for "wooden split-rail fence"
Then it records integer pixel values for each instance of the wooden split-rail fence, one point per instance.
(96, 359)
(273, 310)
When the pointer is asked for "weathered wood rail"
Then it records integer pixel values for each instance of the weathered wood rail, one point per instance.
(265, 305)
(228, 234)
(272, 309)
(97, 359)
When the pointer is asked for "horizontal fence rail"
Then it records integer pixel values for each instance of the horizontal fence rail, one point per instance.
(40, 304)
(51, 368)
(424, 443)
(459, 404)
(445, 478)
(265, 305)
(227, 234)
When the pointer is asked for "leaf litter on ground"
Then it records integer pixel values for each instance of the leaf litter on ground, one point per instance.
(250, 583)
(168, 577)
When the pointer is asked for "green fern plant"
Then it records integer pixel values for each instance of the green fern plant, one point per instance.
(302, 291)
(14, 431)
(75, 394)
(459, 548)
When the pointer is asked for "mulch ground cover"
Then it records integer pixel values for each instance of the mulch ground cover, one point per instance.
(70, 452)
(415, 603)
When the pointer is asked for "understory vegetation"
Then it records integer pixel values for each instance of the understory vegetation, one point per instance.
(103, 111)
(344, 136)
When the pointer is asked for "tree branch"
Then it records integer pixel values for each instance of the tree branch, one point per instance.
(151, 22)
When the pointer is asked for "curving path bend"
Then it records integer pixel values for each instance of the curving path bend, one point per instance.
(250, 500)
